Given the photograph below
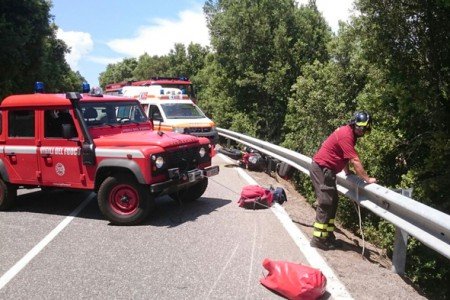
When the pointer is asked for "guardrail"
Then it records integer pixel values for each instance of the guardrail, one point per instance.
(428, 225)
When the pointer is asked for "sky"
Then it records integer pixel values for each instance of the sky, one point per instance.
(101, 32)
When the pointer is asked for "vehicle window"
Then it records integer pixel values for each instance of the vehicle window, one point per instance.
(154, 113)
(21, 123)
(112, 113)
(54, 120)
(1, 122)
(182, 111)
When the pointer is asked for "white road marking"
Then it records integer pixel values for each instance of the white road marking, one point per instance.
(252, 258)
(334, 285)
(14, 270)
(223, 270)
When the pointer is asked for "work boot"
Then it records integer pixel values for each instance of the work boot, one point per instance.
(324, 244)
(333, 240)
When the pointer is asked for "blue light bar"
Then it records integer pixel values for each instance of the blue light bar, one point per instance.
(86, 87)
(39, 87)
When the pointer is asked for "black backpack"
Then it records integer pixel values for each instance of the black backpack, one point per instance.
(278, 195)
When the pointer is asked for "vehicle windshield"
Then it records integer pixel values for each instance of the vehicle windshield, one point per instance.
(182, 111)
(112, 113)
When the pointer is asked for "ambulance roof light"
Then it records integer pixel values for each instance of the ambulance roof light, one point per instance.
(96, 92)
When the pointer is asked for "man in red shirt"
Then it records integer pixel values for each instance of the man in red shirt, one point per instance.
(335, 155)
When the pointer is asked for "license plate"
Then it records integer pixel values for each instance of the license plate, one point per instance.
(211, 171)
(194, 175)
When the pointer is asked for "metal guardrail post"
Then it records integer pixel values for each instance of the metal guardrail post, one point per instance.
(399, 255)
(400, 242)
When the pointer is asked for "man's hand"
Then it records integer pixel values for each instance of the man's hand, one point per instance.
(359, 170)
(371, 180)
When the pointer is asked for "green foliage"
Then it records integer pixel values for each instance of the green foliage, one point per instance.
(121, 71)
(179, 62)
(259, 47)
(147, 67)
(410, 42)
(30, 51)
(392, 61)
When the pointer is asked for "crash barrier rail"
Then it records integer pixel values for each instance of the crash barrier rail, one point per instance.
(410, 217)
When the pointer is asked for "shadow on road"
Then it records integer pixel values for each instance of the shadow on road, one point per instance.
(168, 212)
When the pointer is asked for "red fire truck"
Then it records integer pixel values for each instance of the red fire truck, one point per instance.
(101, 143)
(182, 83)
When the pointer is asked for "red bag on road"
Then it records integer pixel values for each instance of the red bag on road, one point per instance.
(255, 196)
(294, 281)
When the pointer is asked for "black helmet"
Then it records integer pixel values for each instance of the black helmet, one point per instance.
(362, 119)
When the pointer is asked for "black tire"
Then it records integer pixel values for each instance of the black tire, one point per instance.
(232, 153)
(8, 194)
(192, 193)
(285, 170)
(124, 201)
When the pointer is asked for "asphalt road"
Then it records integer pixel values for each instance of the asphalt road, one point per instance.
(208, 249)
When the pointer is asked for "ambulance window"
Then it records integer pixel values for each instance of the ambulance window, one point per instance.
(154, 113)
(21, 123)
(145, 106)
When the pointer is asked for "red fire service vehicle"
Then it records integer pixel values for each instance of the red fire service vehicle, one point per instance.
(102, 143)
(182, 83)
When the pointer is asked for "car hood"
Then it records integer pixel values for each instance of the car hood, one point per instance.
(145, 138)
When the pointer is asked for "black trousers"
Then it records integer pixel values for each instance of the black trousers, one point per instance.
(324, 182)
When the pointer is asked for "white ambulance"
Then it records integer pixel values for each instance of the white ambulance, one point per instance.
(172, 110)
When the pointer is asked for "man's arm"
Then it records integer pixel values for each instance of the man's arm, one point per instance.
(347, 170)
(359, 170)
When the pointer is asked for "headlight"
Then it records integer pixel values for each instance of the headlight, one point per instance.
(159, 161)
(202, 152)
(253, 159)
(179, 129)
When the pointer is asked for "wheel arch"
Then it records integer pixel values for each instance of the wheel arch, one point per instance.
(110, 166)
(3, 173)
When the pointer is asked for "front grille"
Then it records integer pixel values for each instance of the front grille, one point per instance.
(198, 129)
(184, 159)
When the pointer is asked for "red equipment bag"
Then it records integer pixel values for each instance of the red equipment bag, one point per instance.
(294, 281)
(255, 196)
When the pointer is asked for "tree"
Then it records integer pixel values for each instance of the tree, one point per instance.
(259, 48)
(30, 51)
(409, 41)
(23, 26)
(121, 71)
(150, 66)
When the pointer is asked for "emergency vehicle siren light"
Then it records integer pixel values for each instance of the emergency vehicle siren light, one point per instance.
(86, 87)
(96, 91)
(39, 87)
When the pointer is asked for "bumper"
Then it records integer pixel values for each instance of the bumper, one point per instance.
(213, 136)
(181, 181)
